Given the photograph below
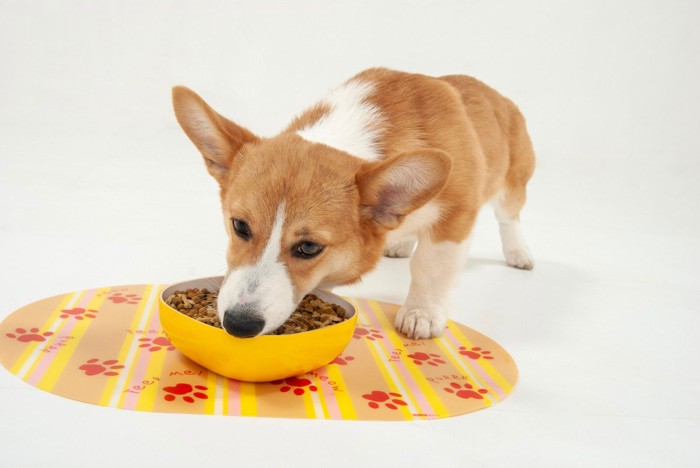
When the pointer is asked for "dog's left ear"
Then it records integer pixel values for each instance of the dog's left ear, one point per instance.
(395, 187)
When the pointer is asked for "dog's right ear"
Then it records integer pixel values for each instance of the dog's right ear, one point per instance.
(392, 188)
(217, 138)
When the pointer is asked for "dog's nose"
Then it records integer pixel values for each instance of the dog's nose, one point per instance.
(242, 324)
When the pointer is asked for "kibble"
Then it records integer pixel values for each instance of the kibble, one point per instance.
(312, 312)
(199, 304)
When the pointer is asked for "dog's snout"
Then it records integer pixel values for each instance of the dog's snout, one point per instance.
(242, 324)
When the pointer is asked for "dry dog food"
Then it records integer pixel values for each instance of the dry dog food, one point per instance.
(197, 304)
(311, 313)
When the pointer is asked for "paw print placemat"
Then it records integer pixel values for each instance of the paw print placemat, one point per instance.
(106, 347)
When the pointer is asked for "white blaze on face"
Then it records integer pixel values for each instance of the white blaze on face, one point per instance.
(352, 125)
(264, 287)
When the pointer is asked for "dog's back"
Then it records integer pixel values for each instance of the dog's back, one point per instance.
(502, 133)
(483, 132)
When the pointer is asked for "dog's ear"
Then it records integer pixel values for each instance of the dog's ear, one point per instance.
(217, 138)
(393, 188)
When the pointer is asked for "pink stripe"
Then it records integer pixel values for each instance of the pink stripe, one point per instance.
(328, 394)
(483, 375)
(45, 359)
(86, 298)
(424, 405)
(234, 397)
(143, 358)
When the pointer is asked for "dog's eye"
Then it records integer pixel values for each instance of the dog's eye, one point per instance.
(307, 250)
(241, 228)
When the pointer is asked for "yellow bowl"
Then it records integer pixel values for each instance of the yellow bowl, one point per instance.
(259, 359)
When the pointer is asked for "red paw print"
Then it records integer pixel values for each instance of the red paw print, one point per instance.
(298, 384)
(475, 353)
(466, 391)
(79, 313)
(184, 390)
(343, 361)
(430, 359)
(26, 336)
(369, 333)
(390, 400)
(156, 344)
(119, 298)
(94, 367)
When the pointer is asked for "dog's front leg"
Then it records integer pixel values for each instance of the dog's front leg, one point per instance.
(434, 268)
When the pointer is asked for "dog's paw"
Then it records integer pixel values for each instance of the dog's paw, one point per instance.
(520, 259)
(421, 322)
(400, 249)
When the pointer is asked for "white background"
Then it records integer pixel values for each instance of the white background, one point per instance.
(98, 186)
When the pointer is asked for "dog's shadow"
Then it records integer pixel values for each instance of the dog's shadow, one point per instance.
(524, 305)
(493, 297)
(475, 263)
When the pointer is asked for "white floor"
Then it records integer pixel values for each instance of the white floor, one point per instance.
(98, 187)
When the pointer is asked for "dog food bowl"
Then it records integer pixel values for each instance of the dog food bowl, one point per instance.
(259, 359)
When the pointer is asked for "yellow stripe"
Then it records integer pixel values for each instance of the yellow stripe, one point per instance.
(459, 365)
(138, 350)
(59, 363)
(428, 391)
(320, 392)
(31, 347)
(387, 377)
(484, 363)
(147, 397)
(210, 403)
(347, 410)
(384, 362)
(112, 381)
(248, 403)
(219, 394)
(55, 337)
(308, 403)
(393, 388)
(50, 377)
(224, 396)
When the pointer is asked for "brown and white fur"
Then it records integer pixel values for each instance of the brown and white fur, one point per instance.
(386, 160)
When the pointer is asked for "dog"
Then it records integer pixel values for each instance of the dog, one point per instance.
(387, 163)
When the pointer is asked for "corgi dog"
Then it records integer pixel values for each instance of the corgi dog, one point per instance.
(387, 163)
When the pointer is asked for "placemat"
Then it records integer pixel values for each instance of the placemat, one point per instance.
(105, 346)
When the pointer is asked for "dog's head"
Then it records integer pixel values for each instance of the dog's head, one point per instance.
(299, 215)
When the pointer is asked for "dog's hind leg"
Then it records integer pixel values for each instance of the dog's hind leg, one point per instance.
(508, 203)
(514, 247)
